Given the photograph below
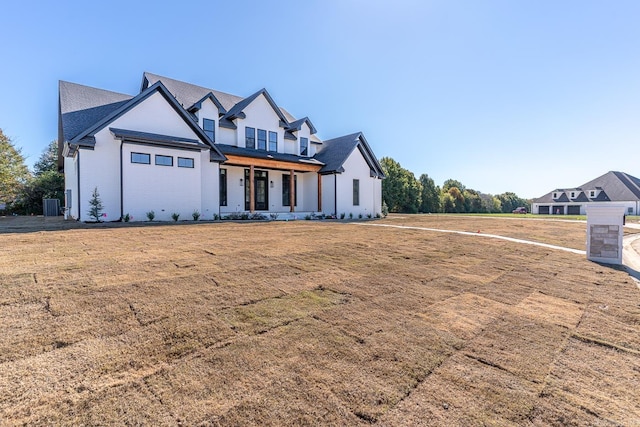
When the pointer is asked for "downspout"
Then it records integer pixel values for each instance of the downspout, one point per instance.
(121, 184)
(78, 167)
(335, 192)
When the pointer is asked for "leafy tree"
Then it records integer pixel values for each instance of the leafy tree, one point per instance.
(430, 195)
(448, 184)
(95, 211)
(458, 199)
(400, 189)
(447, 203)
(510, 201)
(47, 183)
(490, 203)
(473, 202)
(48, 160)
(13, 171)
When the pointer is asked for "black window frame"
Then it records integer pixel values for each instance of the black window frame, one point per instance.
(162, 156)
(186, 158)
(211, 133)
(273, 140)
(356, 192)
(304, 146)
(223, 187)
(262, 142)
(286, 200)
(148, 162)
(250, 140)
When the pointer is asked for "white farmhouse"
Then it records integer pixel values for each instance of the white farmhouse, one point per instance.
(179, 148)
(616, 188)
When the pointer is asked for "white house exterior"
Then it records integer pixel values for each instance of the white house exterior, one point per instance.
(612, 188)
(179, 148)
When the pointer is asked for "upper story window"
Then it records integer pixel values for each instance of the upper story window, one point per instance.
(555, 195)
(164, 160)
(143, 158)
(209, 127)
(250, 137)
(185, 162)
(273, 141)
(573, 195)
(592, 193)
(304, 146)
(262, 139)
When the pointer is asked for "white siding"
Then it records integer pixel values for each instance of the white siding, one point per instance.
(260, 115)
(328, 195)
(163, 189)
(71, 183)
(357, 168)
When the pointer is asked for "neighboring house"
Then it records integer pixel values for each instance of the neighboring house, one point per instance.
(178, 147)
(616, 188)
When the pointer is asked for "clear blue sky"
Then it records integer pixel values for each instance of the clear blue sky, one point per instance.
(521, 96)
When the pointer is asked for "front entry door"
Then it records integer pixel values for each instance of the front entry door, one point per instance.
(260, 190)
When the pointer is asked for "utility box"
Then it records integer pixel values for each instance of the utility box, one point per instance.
(605, 229)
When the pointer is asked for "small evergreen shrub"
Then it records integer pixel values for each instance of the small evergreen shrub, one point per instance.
(195, 215)
(350, 215)
(175, 216)
(95, 211)
(369, 215)
(127, 218)
(151, 215)
(342, 215)
(385, 209)
(360, 216)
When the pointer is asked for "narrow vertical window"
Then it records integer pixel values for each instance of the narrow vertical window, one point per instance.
(356, 192)
(262, 139)
(286, 200)
(209, 127)
(223, 187)
(250, 137)
(304, 146)
(273, 141)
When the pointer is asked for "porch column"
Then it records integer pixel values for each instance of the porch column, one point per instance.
(292, 192)
(252, 196)
(319, 193)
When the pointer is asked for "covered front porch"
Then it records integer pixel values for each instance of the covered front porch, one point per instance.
(269, 183)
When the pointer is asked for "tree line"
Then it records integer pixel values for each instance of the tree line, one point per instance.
(402, 192)
(22, 191)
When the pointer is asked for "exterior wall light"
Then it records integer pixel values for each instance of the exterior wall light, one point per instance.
(240, 182)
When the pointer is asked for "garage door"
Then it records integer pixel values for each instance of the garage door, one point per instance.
(543, 210)
(557, 210)
(573, 210)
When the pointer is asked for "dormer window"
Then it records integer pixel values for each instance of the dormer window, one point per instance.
(555, 195)
(573, 194)
(209, 127)
(592, 194)
(304, 146)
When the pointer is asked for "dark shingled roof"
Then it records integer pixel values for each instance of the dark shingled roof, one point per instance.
(82, 115)
(188, 94)
(336, 151)
(166, 140)
(613, 186)
(82, 106)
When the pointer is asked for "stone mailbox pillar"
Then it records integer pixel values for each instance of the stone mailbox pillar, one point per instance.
(604, 233)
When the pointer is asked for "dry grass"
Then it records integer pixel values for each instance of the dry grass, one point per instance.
(303, 323)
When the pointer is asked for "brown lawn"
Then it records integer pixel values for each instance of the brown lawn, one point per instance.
(305, 323)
